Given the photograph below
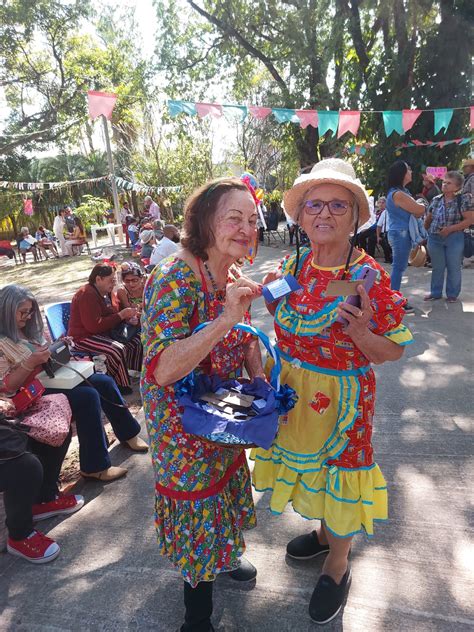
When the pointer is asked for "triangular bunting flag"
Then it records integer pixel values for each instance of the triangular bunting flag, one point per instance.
(259, 112)
(101, 103)
(409, 118)
(442, 119)
(471, 122)
(349, 121)
(307, 117)
(392, 120)
(214, 110)
(285, 115)
(328, 120)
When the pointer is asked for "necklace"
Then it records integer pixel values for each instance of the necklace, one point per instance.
(211, 278)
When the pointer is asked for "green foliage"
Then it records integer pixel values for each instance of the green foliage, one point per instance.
(91, 210)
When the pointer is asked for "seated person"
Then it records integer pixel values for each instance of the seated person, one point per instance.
(28, 243)
(147, 240)
(76, 238)
(46, 239)
(94, 317)
(158, 225)
(22, 354)
(6, 249)
(133, 231)
(131, 294)
(29, 481)
(167, 246)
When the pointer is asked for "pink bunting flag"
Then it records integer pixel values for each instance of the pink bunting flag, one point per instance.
(101, 103)
(409, 118)
(349, 121)
(213, 110)
(28, 206)
(307, 117)
(418, 143)
(472, 117)
(259, 112)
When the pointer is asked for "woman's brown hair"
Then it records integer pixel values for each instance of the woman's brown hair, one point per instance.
(199, 210)
(100, 270)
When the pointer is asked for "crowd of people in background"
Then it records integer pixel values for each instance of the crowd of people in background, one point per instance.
(322, 210)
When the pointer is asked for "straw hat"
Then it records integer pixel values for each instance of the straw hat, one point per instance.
(417, 257)
(329, 171)
(469, 162)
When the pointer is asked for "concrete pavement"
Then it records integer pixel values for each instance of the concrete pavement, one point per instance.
(415, 575)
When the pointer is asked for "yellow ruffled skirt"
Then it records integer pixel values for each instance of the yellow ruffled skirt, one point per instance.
(301, 466)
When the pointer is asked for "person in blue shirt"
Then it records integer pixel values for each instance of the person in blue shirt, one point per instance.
(400, 205)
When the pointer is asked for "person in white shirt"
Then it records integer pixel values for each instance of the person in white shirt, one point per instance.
(167, 246)
(151, 208)
(125, 213)
(59, 225)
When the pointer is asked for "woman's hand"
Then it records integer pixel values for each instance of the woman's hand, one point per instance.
(7, 407)
(357, 318)
(37, 358)
(272, 276)
(239, 295)
(127, 313)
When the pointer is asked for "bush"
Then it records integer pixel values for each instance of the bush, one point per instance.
(92, 210)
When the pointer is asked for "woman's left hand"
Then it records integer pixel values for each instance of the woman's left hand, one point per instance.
(357, 318)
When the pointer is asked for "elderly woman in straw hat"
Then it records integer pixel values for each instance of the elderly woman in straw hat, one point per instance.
(322, 459)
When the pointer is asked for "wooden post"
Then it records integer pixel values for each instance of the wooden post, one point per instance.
(111, 170)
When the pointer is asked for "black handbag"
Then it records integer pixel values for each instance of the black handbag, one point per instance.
(124, 332)
(13, 438)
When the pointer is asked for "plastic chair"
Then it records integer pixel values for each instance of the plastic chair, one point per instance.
(57, 318)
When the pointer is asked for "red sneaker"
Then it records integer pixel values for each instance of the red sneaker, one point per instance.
(36, 548)
(67, 504)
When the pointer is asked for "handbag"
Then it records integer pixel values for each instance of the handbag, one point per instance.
(27, 394)
(214, 425)
(124, 332)
(49, 419)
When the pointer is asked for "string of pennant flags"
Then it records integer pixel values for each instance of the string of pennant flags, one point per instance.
(337, 122)
(361, 149)
(122, 183)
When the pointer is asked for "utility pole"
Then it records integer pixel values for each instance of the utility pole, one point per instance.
(111, 171)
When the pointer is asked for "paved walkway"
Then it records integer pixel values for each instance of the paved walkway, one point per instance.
(415, 575)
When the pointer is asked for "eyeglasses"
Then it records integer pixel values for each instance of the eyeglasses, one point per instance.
(335, 207)
(132, 280)
(26, 313)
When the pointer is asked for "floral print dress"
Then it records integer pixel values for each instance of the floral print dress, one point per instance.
(322, 458)
(203, 491)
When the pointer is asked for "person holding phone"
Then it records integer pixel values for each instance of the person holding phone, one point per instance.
(322, 458)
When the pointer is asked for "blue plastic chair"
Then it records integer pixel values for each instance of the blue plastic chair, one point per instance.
(57, 318)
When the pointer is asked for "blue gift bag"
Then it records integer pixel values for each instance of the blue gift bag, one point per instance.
(210, 423)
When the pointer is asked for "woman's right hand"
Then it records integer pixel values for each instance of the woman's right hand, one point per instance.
(127, 313)
(272, 276)
(37, 358)
(239, 295)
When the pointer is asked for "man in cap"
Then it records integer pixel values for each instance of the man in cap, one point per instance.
(468, 170)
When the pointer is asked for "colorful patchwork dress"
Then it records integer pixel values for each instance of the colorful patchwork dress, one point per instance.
(322, 459)
(203, 491)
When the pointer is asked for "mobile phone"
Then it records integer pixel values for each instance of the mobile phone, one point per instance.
(367, 279)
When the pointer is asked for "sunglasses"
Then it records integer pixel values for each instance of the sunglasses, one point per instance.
(335, 207)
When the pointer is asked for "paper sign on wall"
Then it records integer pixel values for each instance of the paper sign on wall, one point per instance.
(437, 172)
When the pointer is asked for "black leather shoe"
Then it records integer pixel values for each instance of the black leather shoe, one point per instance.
(305, 547)
(245, 573)
(328, 597)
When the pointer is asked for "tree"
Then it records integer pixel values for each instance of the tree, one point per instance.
(323, 54)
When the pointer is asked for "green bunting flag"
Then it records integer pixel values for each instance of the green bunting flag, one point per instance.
(442, 119)
(393, 122)
(328, 120)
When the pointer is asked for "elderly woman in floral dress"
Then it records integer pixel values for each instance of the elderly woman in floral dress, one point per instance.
(203, 493)
(322, 459)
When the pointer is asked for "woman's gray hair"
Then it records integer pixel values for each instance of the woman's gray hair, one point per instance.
(11, 297)
(457, 177)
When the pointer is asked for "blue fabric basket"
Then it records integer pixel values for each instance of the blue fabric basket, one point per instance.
(259, 430)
